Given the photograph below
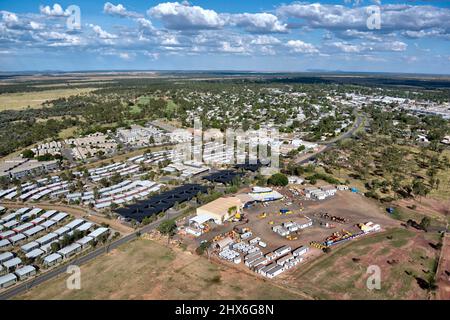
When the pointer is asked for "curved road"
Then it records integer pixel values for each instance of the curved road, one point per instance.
(330, 144)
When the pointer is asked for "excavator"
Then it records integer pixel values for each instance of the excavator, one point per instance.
(262, 215)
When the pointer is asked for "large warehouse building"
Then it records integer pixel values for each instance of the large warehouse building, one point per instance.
(218, 210)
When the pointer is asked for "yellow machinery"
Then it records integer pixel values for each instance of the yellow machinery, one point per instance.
(238, 216)
(291, 237)
(263, 215)
(271, 222)
(317, 245)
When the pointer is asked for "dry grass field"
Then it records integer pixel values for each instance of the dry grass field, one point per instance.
(402, 255)
(145, 269)
(19, 101)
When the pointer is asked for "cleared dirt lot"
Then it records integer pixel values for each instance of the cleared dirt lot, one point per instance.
(354, 207)
(443, 272)
(146, 269)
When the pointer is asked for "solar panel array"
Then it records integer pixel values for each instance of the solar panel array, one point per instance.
(249, 166)
(223, 176)
(161, 202)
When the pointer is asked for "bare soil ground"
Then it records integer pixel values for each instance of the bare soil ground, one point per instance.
(147, 269)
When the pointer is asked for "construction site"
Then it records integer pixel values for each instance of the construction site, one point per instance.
(270, 237)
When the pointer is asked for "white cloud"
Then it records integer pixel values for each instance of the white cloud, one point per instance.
(228, 48)
(152, 55)
(393, 17)
(125, 56)
(299, 46)
(169, 40)
(119, 10)
(102, 34)
(57, 11)
(265, 40)
(258, 22)
(36, 26)
(9, 17)
(182, 16)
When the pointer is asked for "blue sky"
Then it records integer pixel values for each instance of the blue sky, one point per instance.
(265, 35)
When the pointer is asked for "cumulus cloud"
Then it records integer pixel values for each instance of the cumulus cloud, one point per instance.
(119, 10)
(394, 46)
(393, 17)
(102, 34)
(179, 16)
(56, 11)
(298, 46)
(258, 22)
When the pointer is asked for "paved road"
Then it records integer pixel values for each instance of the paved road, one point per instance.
(24, 286)
(330, 144)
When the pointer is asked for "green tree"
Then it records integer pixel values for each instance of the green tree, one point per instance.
(278, 179)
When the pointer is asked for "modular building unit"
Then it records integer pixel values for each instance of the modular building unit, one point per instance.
(48, 224)
(35, 230)
(9, 217)
(267, 268)
(37, 221)
(75, 223)
(33, 254)
(62, 231)
(283, 250)
(85, 241)
(48, 247)
(13, 263)
(52, 259)
(274, 271)
(59, 217)
(6, 256)
(70, 250)
(4, 243)
(29, 246)
(49, 214)
(8, 280)
(7, 234)
(85, 226)
(23, 227)
(17, 238)
(98, 232)
(25, 272)
(300, 251)
(47, 238)
(11, 224)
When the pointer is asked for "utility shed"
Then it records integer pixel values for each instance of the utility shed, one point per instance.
(48, 224)
(61, 231)
(25, 272)
(85, 226)
(7, 280)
